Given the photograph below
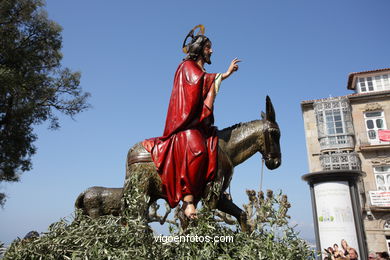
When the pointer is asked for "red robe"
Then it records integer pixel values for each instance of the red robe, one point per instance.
(186, 154)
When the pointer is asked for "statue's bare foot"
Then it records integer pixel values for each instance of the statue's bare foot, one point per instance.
(189, 209)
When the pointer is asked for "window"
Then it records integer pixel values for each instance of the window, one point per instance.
(334, 123)
(375, 121)
(376, 83)
(388, 243)
(382, 178)
(334, 126)
(386, 226)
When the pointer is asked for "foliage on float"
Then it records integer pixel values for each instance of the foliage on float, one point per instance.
(126, 237)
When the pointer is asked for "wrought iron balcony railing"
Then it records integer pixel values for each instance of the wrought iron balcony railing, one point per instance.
(340, 161)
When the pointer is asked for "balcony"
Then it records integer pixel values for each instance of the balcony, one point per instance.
(336, 142)
(334, 124)
(340, 161)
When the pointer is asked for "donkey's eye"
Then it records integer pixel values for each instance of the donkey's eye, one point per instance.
(275, 134)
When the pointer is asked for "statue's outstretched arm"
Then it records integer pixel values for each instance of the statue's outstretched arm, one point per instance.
(232, 68)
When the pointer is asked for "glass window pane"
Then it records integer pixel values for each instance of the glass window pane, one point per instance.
(386, 80)
(328, 112)
(379, 169)
(372, 134)
(329, 119)
(380, 180)
(379, 123)
(370, 124)
(378, 82)
(369, 84)
(373, 114)
(331, 131)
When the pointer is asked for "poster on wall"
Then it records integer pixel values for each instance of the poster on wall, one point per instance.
(335, 218)
(380, 198)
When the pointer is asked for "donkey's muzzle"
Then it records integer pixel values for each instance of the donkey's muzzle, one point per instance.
(273, 163)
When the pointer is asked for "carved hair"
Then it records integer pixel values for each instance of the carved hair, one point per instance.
(195, 48)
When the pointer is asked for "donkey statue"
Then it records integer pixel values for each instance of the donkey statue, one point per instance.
(236, 144)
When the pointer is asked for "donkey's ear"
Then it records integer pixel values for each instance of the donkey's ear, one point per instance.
(262, 115)
(270, 112)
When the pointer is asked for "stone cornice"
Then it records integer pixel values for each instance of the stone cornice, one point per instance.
(373, 107)
(381, 161)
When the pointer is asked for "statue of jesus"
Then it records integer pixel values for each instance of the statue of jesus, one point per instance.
(186, 155)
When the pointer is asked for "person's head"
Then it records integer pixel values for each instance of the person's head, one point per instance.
(207, 51)
(344, 244)
(383, 255)
(352, 254)
(200, 48)
(335, 247)
(372, 256)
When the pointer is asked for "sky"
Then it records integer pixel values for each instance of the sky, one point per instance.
(128, 51)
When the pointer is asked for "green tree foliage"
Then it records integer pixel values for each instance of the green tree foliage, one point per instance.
(130, 237)
(33, 84)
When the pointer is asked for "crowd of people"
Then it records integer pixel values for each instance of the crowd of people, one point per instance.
(345, 252)
(379, 256)
(340, 253)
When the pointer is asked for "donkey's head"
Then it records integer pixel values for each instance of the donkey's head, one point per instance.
(271, 136)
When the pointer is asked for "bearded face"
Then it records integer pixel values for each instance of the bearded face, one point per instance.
(207, 51)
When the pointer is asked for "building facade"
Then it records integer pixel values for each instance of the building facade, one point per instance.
(349, 133)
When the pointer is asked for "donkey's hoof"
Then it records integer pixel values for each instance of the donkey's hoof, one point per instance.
(244, 223)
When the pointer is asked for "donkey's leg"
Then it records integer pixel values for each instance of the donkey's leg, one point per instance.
(136, 191)
(226, 205)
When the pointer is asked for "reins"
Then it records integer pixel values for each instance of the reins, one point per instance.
(261, 174)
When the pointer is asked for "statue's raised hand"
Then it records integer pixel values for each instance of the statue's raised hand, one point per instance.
(232, 68)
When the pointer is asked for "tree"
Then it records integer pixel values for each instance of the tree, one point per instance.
(33, 84)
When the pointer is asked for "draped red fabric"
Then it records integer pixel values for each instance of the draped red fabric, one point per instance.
(186, 154)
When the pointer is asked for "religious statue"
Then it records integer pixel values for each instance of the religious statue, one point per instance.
(192, 159)
(186, 154)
